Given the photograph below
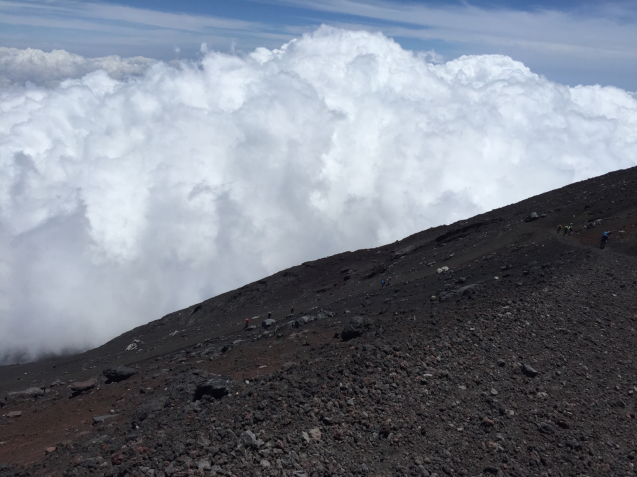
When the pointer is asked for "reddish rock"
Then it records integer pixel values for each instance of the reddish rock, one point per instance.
(80, 387)
(116, 459)
(143, 450)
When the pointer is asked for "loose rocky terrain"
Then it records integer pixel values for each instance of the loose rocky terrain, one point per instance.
(498, 347)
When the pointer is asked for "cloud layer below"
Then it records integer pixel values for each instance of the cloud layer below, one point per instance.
(124, 199)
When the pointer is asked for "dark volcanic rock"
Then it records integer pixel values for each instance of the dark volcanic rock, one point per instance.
(148, 408)
(216, 387)
(356, 327)
(119, 373)
(528, 370)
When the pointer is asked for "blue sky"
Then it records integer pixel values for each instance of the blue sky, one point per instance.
(571, 42)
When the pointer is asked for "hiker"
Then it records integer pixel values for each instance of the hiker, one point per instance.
(292, 311)
(603, 239)
(247, 323)
(565, 230)
(269, 315)
(382, 283)
(570, 229)
(559, 228)
(389, 281)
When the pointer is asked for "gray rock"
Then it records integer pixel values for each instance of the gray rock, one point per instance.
(30, 393)
(249, 439)
(531, 217)
(146, 409)
(546, 427)
(119, 373)
(105, 417)
(268, 323)
(356, 327)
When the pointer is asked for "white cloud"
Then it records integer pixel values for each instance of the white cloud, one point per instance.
(124, 199)
(48, 69)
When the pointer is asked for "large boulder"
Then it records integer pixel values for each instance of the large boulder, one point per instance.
(119, 373)
(356, 327)
(216, 387)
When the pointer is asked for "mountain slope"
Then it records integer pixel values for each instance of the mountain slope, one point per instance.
(518, 359)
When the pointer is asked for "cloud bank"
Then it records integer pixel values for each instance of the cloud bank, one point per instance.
(124, 199)
(18, 67)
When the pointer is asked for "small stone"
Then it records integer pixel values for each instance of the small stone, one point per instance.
(494, 392)
(249, 439)
(100, 419)
(305, 436)
(487, 422)
(49, 450)
(315, 434)
(14, 414)
(116, 459)
(528, 370)
(490, 469)
(265, 463)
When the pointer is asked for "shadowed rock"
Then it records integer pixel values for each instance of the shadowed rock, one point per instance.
(119, 373)
(355, 328)
(529, 371)
(216, 387)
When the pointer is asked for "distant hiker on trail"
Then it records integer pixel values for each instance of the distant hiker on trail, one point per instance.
(269, 315)
(603, 239)
(247, 322)
(292, 311)
(389, 281)
(565, 230)
(570, 229)
(559, 228)
(382, 283)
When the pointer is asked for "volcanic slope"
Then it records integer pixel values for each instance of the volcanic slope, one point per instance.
(518, 360)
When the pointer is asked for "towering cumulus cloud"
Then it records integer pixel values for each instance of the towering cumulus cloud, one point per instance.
(124, 199)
